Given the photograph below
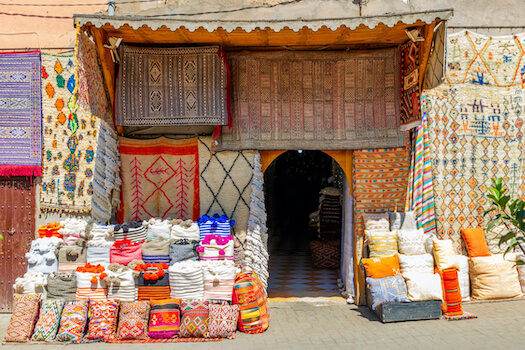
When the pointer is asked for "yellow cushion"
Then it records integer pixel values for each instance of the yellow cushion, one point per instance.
(381, 243)
(444, 254)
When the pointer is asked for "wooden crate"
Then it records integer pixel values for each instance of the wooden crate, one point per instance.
(413, 311)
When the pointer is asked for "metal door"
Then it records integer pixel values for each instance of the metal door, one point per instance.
(17, 226)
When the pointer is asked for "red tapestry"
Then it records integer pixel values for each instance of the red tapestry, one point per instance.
(160, 178)
(410, 110)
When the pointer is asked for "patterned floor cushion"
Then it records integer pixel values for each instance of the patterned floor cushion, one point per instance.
(73, 321)
(249, 294)
(223, 321)
(164, 321)
(133, 320)
(47, 325)
(25, 311)
(195, 319)
(102, 319)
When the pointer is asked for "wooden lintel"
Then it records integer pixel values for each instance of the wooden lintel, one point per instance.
(108, 67)
(424, 51)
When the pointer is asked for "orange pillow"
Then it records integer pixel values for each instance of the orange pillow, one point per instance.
(381, 267)
(475, 241)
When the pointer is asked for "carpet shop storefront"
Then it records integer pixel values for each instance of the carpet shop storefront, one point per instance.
(218, 147)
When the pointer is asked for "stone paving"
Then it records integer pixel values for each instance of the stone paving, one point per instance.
(336, 325)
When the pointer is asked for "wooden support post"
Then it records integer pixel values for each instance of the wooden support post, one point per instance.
(424, 51)
(108, 67)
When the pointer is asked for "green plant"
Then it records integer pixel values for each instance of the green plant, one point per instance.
(507, 212)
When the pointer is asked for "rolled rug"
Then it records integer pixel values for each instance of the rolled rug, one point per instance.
(62, 286)
(187, 280)
(219, 278)
(156, 251)
(183, 250)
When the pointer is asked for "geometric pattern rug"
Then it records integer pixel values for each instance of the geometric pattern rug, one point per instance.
(70, 140)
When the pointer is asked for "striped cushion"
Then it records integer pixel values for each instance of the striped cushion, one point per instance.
(87, 290)
(249, 294)
(156, 251)
(219, 277)
(134, 234)
(220, 226)
(164, 319)
(153, 289)
(452, 294)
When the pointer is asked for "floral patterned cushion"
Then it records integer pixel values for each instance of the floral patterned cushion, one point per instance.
(47, 325)
(73, 321)
(102, 319)
(25, 311)
(195, 319)
(164, 321)
(223, 321)
(133, 320)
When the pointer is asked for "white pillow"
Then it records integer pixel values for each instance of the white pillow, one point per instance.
(423, 263)
(424, 286)
(429, 243)
(411, 242)
(376, 221)
(463, 277)
(410, 222)
(494, 277)
(444, 254)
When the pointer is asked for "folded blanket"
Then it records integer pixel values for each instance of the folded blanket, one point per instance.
(134, 231)
(187, 280)
(183, 250)
(101, 236)
(219, 278)
(215, 225)
(62, 286)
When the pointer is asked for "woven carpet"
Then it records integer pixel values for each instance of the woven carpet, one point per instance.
(20, 114)
(314, 100)
(70, 140)
(225, 185)
(160, 178)
(90, 91)
(490, 61)
(410, 114)
(172, 86)
(420, 186)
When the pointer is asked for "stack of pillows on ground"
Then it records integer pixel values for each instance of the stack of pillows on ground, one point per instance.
(160, 279)
(404, 265)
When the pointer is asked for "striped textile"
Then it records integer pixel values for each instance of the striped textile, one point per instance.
(122, 252)
(186, 280)
(249, 294)
(219, 277)
(71, 257)
(138, 234)
(420, 196)
(124, 289)
(164, 318)
(153, 289)
(214, 225)
(216, 248)
(156, 251)
(98, 255)
(90, 291)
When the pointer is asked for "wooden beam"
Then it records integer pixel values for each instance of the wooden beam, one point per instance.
(424, 51)
(108, 67)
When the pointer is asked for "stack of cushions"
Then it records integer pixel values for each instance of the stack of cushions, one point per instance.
(98, 255)
(48, 322)
(164, 321)
(62, 286)
(219, 278)
(102, 320)
(215, 225)
(30, 283)
(187, 280)
(249, 294)
(215, 247)
(90, 282)
(158, 229)
(49, 230)
(183, 250)
(72, 229)
(120, 281)
(223, 321)
(133, 320)
(41, 257)
(125, 251)
(494, 277)
(71, 256)
(194, 319)
(101, 236)
(133, 231)
(185, 229)
(153, 282)
(156, 251)
(463, 277)
(73, 321)
(25, 311)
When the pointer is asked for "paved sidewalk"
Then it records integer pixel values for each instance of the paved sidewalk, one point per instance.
(300, 325)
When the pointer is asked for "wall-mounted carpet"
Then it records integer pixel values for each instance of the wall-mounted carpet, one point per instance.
(225, 185)
(70, 140)
(410, 113)
(172, 86)
(314, 100)
(20, 114)
(160, 179)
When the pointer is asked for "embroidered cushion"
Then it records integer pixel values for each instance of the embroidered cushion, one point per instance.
(376, 221)
(133, 320)
(387, 290)
(223, 321)
(73, 321)
(183, 250)
(164, 319)
(102, 319)
(475, 240)
(444, 254)
(381, 243)
(123, 252)
(219, 277)
(411, 242)
(463, 277)
(25, 311)
(194, 319)
(451, 293)
(494, 277)
(381, 267)
(422, 263)
(216, 248)
(423, 286)
(250, 295)
(187, 280)
(62, 286)
(47, 325)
